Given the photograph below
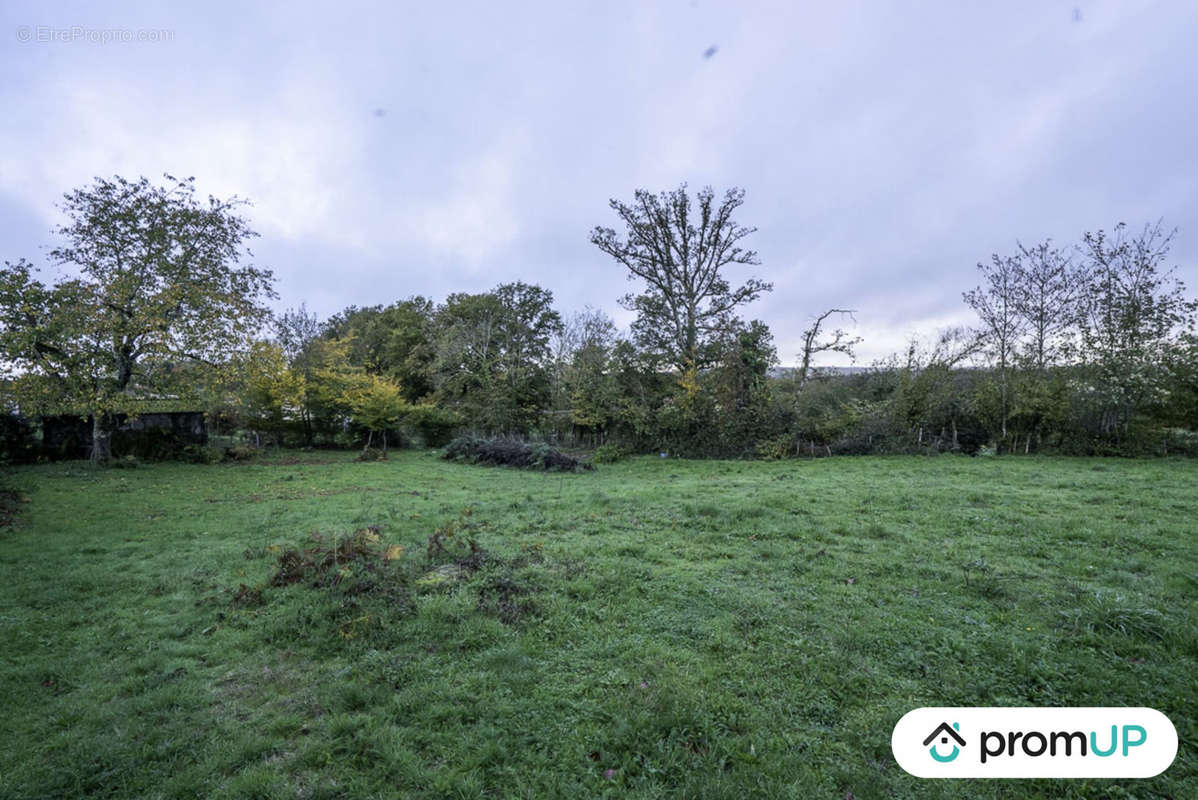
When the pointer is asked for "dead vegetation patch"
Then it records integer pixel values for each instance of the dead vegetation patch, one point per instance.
(373, 582)
(328, 563)
(10, 506)
(503, 597)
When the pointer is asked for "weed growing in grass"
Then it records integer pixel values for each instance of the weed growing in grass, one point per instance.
(453, 542)
(1103, 613)
(506, 598)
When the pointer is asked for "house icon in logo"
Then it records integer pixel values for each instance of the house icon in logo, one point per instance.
(944, 731)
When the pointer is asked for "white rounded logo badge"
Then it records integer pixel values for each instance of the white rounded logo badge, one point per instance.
(983, 742)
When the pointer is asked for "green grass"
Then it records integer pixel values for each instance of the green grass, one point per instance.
(652, 629)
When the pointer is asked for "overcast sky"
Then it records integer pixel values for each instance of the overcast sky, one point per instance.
(885, 148)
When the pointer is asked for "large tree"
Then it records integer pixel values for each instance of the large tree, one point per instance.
(1134, 316)
(680, 248)
(392, 341)
(493, 356)
(157, 283)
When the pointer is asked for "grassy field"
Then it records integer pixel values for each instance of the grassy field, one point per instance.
(650, 629)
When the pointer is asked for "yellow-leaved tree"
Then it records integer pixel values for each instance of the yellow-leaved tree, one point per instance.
(376, 403)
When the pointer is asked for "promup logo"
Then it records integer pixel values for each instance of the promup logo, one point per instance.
(1034, 742)
(944, 732)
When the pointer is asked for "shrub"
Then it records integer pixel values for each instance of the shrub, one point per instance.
(776, 448)
(436, 426)
(608, 454)
(10, 504)
(200, 454)
(152, 444)
(372, 454)
(239, 452)
(507, 452)
(17, 442)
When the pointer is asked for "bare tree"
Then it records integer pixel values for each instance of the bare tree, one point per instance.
(583, 330)
(997, 303)
(1046, 300)
(951, 348)
(929, 395)
(839, 341)
(679, 248)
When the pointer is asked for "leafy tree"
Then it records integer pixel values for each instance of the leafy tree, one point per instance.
(406, 352)
(1134, 313)
(679, 247)
(376, 403)
(492, 355)
(392, 340)
(740, 385)
(1180, 406)
(159, 282)
(931, 399)
(585, 392)
(269, 393)
(296, 332)
(329, 373)
(641, 390)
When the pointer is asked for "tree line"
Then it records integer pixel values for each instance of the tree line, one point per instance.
(1085, 348)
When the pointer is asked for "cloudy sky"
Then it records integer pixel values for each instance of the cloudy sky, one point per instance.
(885, 148)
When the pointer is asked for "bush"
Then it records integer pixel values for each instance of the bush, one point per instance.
(1179, 442)
(372, 454)
(151, 444)
(776, 448)
(507, 452)
(200, 454)
(10, 505)
(17, 442)
(436, 426)
(239, 452)
(608, 454)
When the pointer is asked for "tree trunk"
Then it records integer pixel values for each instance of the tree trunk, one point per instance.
(369, 440)
(384, 441)
(1004, 400)
(101, 439)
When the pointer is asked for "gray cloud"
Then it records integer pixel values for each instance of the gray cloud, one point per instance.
(884, 150)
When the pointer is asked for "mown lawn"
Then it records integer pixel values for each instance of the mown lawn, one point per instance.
(655, 628)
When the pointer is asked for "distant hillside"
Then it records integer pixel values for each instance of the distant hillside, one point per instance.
(788, 372)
